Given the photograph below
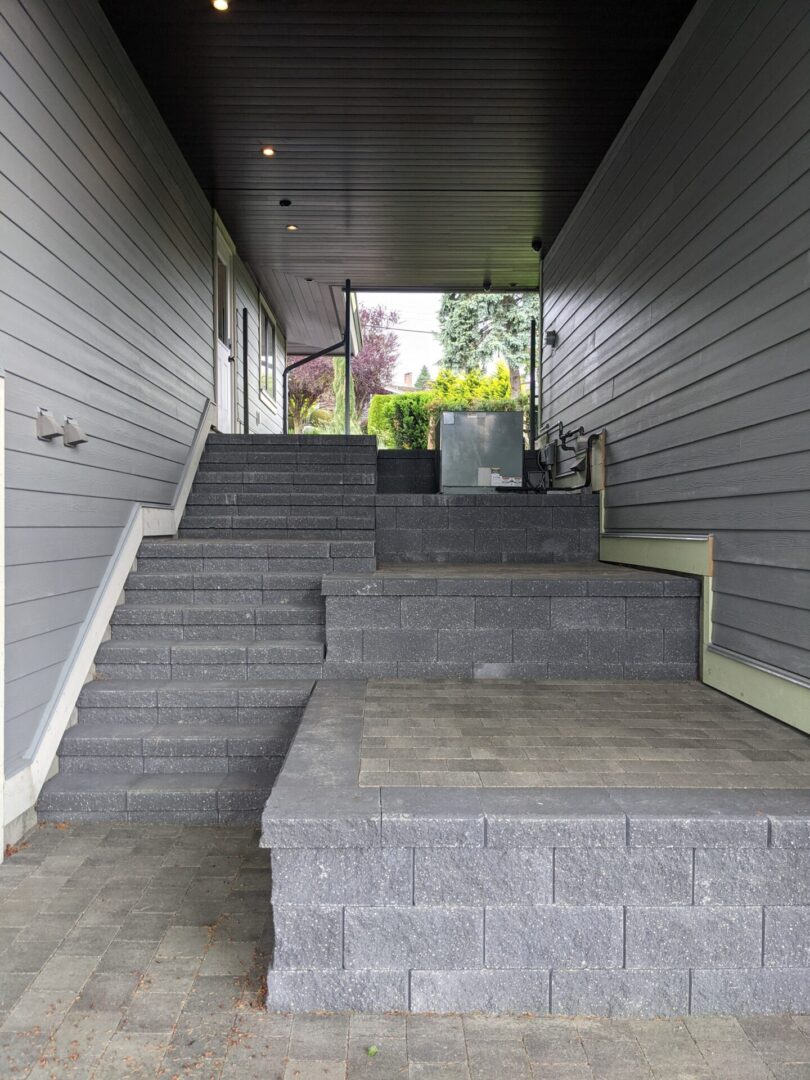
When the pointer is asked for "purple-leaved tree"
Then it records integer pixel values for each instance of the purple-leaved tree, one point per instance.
(372, 367)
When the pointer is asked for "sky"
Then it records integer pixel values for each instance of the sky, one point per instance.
(418, 319)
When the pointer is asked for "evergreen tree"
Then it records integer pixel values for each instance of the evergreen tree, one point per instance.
(477, 328)
(423, 378)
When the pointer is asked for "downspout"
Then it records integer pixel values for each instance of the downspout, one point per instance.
(539, 413)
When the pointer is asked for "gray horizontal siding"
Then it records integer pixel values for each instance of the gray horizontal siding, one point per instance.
(105, 314)
(264, 414)
(679, 293)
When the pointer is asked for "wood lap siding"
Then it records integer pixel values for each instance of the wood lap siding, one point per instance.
(268, 413)
(679, 291)
(105, 315)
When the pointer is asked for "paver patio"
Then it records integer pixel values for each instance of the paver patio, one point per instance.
(134, 952)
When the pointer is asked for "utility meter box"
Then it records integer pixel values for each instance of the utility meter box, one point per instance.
(480, 451)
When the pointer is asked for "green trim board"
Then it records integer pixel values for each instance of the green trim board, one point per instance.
(773, 692)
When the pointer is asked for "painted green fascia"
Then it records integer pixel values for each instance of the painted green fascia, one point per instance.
(779, 694)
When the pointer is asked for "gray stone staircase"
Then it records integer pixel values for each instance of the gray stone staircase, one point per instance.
(211, 658)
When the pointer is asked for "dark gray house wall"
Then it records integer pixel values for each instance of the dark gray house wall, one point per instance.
(679, 291)
(106, 314)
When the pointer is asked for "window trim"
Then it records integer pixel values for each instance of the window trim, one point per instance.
(266, 316)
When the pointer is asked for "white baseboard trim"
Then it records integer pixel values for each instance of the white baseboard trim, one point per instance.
(23, 787)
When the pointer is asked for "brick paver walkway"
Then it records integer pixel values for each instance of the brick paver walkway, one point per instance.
(134, 952)
(520, 733)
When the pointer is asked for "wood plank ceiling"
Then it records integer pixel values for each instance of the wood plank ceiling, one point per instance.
(423, 145)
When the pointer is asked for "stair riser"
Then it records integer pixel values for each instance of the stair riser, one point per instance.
(298, 502)
(337, 441)
(233, 480)
(202, 528)
(346, 492)
(303, 459)
(197, 716)
(215, 672)
(274, 616)
(213, 597)
(267, 767)
(257, 549)
(286, 461)
(199, 653)
(226, 632)
(316, 518)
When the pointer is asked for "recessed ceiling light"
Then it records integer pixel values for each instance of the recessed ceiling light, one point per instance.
(219, 5)
(292, 228)
(269, 151)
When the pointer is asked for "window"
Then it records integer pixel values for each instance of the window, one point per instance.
(267, 357)
(223, 293)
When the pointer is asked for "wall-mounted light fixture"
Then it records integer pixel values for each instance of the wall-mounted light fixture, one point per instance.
(219, 5)
(47, 427)
(73, 434)
(551, 339)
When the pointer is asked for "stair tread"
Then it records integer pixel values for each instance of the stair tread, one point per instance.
(128, 644)
(190, 685)
(87, 730)
(158, 782)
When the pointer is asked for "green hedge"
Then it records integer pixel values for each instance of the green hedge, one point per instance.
(404, 421)
(400, 421)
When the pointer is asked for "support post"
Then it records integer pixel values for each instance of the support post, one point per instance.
(533, 386)
(347, 374)
(538, 411)
(245, 389)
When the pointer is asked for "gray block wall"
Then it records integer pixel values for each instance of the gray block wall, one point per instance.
(514, 527)
(626, 624)
(571, 902)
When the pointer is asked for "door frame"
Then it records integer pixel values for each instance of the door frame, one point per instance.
(224, 247)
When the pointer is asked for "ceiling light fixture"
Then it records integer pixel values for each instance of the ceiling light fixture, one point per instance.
(269, 151)
(292, 228)
(219, 5)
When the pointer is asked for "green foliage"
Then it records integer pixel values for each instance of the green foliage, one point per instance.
(404, 421)
(400, 421)
(337, 425)
(477, 328)
(423, 378)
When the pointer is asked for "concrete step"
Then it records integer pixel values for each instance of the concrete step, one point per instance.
(340, 475)
(304, 457)
(217, 554)
(243, 527)
(175, 748)
(177, 622)
(153, 701)
(226, 798)
(304, 519)
(295, 500)
(255, 589)
(305, 441)
(220, 660)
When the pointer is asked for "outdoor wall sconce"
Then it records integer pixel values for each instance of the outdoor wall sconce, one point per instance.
(47, 427)
(73, 434)
(551, 339)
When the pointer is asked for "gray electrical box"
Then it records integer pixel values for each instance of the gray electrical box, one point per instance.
(480, 451)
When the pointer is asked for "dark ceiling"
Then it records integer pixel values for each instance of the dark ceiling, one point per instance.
(423, 145)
